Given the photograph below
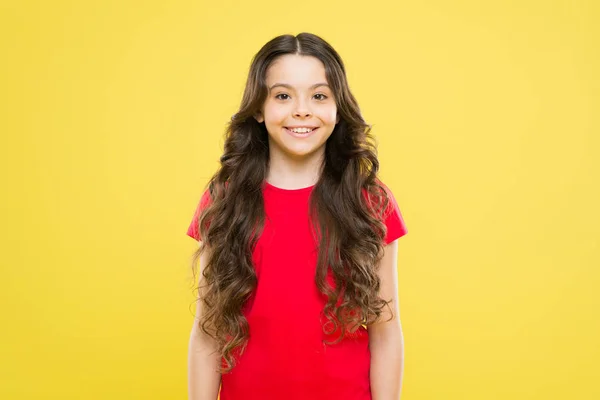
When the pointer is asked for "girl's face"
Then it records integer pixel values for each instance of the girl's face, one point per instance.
(300, 110)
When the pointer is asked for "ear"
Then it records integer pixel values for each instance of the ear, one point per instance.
(258, 117)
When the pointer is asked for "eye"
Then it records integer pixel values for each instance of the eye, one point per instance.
(281, 94)
(321, 94)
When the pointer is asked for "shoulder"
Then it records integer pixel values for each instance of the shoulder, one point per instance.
(380, 197)
(382, 201)
(193, 230)
(205, 200)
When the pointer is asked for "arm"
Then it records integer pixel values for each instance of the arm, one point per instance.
(386, 341)
(203, 379)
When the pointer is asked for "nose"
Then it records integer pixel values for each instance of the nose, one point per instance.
(302, 114)
(302, 110)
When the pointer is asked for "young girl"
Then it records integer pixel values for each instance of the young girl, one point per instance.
(298, 243)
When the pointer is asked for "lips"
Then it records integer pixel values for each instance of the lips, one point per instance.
(301, 135)
(301, 127)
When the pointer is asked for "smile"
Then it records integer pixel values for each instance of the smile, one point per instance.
(303, 132)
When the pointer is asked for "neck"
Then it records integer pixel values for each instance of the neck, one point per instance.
(289, 172)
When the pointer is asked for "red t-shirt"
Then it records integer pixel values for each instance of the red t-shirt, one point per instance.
(285, 357)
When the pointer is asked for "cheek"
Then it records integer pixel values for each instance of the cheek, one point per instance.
(329, 115)
(274, 114)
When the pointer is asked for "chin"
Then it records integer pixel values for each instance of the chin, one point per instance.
(296, 153)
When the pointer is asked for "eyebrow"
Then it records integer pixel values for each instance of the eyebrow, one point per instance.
(285, 85)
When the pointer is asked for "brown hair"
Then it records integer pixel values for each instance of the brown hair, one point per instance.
(352, 243)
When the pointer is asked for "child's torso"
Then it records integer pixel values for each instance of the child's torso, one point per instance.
(285, 356)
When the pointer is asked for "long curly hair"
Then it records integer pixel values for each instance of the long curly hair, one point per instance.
(346, 208)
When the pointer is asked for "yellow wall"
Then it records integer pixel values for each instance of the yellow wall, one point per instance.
(487, 119)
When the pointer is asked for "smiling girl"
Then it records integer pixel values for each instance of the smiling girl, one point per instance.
(297, 288)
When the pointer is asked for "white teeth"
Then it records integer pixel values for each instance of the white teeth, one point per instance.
(301, 130)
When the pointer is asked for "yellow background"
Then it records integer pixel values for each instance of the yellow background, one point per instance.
(487, 119)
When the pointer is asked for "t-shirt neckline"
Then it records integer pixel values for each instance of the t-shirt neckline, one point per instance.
(288, 191)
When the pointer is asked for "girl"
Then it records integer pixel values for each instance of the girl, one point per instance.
(297, 296)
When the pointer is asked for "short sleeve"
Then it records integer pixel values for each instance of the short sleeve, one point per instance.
(193, 230)
(396, 228)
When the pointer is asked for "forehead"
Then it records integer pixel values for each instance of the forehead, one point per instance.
(296, 70)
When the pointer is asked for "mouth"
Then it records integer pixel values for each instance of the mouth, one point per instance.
(302, 134)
